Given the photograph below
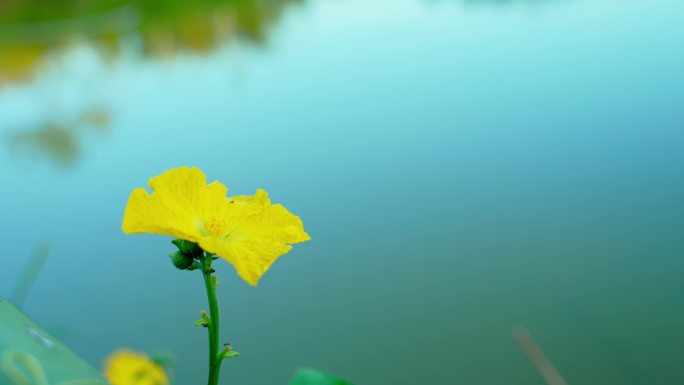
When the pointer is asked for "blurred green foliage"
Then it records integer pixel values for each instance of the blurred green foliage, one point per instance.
(306, 376)
(29, 29)
(249, 17)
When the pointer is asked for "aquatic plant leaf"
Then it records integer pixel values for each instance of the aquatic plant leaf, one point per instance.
(307, 376)
(30, 355)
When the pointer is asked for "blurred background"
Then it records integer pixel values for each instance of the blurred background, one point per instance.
(465, 167)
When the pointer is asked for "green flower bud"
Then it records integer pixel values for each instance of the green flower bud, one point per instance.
(180, 260)
(188, 248)
(228, 352)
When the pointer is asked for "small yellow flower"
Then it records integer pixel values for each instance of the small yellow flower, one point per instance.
(247, 231)
(125, 367)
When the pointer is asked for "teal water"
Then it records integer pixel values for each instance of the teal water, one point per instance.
(464, 168)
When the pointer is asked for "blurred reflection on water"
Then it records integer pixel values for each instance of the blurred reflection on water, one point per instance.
(31, 29)
(59, 143)
(34, 34)
(462, 169)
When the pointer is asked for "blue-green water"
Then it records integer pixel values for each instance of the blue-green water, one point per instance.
(464, 167)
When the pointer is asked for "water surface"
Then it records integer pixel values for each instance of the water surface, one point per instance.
(464, 167)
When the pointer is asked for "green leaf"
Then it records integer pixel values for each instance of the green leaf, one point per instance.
(307, 376)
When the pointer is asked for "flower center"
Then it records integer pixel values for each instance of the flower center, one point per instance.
(215, 226)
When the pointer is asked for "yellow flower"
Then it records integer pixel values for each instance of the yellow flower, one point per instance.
(125, 367)
(247, 231)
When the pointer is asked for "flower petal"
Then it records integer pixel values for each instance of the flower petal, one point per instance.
(247, 231)
(259, 238)
(179, 202)
(126, 367)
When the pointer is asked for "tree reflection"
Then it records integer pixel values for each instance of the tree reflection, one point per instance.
(34, 32)
(31, 29)
(60, 143)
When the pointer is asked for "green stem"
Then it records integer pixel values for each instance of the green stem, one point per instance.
(213, 324)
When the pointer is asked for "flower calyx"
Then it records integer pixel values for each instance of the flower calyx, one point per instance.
(188, 248)
(181, 261)
(184, 258)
